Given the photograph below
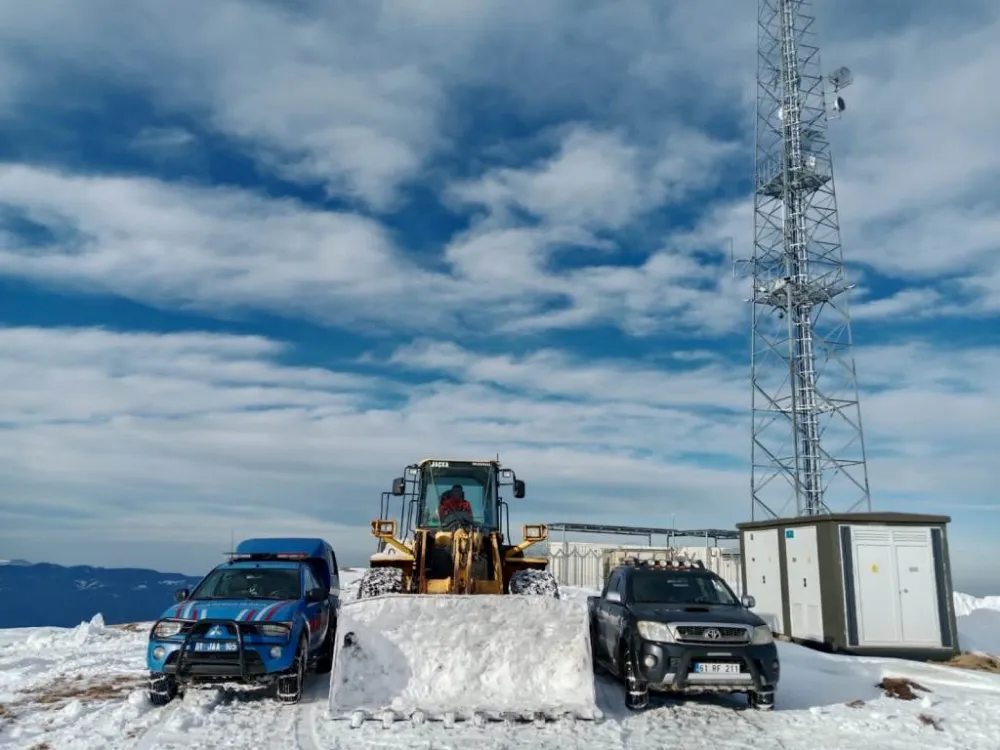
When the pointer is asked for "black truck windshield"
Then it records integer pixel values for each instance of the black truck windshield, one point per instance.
(250, 583)
(678, 587)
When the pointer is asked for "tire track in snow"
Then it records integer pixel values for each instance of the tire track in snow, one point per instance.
(306, 734)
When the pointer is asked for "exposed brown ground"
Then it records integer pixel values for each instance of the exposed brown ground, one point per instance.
(64, 689)
(131, 627)
(930, 721)
(901, 688)
(978, 662)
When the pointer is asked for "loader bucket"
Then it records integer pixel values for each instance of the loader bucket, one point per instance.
(453, 658)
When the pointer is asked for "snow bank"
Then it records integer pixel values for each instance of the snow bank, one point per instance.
(979, 631)
(467, 655)
(978, 620)
(966, 603)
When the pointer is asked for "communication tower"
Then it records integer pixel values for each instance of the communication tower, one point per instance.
(807, 444)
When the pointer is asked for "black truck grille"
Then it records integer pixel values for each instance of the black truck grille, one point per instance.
(712, 634)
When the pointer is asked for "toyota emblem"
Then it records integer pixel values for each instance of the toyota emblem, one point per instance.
(713, 634)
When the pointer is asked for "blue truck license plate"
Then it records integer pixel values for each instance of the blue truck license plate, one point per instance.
(215, 646)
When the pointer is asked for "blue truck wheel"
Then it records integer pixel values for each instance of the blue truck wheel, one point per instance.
(324, 661)
(290, 684)
(162, 688)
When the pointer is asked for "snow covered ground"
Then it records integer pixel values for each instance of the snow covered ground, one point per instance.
(81, 688)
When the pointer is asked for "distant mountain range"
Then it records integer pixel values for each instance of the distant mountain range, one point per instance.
(39, 594)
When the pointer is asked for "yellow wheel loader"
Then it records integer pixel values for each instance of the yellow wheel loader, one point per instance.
(452, 621)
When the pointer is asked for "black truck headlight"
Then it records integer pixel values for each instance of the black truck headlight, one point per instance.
(762, 636)
(655, 631)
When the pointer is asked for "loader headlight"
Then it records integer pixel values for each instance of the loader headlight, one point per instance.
(275, 629)
(655, 631)
(167, 628)
(762, 636)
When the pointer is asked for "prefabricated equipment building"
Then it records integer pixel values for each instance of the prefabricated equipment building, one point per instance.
(861, 583)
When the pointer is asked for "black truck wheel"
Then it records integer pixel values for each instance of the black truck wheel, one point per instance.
(761, 701)
(636, 691)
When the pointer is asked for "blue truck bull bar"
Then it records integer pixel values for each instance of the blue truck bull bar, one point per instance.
(200, 628)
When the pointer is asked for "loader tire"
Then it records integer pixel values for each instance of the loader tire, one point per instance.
(379, 581)
(534, 583)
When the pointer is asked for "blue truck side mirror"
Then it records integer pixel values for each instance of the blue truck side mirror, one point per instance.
(314, 596)
(181, 594)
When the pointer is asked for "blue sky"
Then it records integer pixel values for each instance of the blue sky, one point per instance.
(257, 256)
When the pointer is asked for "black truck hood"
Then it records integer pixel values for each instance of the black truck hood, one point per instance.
(713, 613)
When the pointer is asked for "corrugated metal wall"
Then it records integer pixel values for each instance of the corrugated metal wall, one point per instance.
(587, 564)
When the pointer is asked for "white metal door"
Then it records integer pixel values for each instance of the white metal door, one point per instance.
(917, 595)
(760, 549)
(878, 618)
(805, 603)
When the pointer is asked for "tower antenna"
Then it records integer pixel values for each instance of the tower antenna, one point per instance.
(807, 443)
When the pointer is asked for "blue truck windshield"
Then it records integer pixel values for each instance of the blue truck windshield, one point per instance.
(680, 587)
(250, 583)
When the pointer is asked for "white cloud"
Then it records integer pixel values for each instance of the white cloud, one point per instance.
(119, 434)
(224, 249)
(632, 108)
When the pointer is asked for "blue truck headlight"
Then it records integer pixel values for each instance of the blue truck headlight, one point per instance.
(275, 629)
(655, 631)
(167, 628)
(762, 636)
(159, 652)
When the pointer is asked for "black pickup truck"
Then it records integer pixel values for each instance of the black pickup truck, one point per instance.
(677, 627)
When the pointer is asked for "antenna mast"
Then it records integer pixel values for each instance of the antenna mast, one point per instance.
(807, 444)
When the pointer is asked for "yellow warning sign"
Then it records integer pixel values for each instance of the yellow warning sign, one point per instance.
(874, 568)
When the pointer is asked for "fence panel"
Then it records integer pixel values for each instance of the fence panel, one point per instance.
(587, 564)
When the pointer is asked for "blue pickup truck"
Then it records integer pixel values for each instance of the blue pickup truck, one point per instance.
(267, 616)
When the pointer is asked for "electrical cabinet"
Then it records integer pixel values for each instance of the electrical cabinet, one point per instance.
(874, 583)
(762, 576)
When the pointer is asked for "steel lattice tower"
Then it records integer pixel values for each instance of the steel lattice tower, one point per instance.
(807, 439)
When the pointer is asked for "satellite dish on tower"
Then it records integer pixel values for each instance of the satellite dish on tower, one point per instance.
(841, 78)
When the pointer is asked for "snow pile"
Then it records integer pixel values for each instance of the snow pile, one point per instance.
(468, 655)
(978, 620)
(966, 604)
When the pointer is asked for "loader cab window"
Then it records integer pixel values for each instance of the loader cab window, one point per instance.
(477, 484)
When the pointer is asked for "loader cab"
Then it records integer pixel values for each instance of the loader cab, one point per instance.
(427, 481)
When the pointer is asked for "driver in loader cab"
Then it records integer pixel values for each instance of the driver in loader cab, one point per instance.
(454, 509)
